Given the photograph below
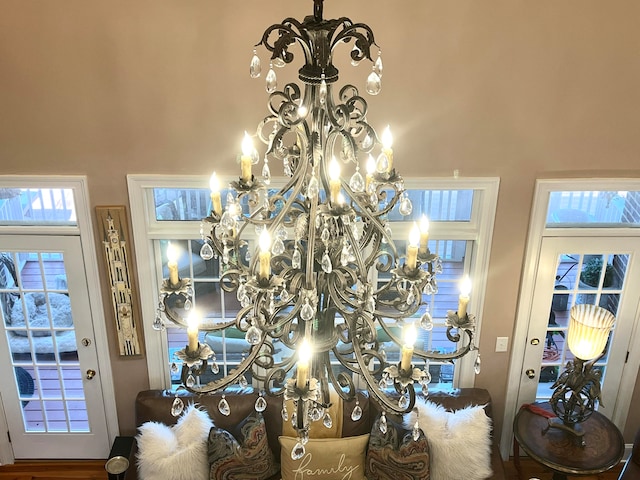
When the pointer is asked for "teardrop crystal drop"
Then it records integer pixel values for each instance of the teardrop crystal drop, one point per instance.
(266, 174)
(206, 252)
(316, 414)
(174, 368)
(243, 382)
(403, 402)
(382, 164)
(426, 322)
(296, 260)
(278, 247)
(223, 407)
(477, 365)
(325, 235)
(357, 182)
(406, 207)
(416, 431)
(377, 66)
(411, 298)
(215, 368)
(227, 220)
(327, 421)
(278, 62)
(253, 335)
(425, 389)
(261, 404)
(356, 414)
(313, 189)
(326, 263)
(298, 451)
(255, 68)
(191, 381)
(306, 312)
(284, 413)
(158, 324)
(383, 424)
(177, 407)
(285, 296)
(271, 81)
(374, 85)
(188, 304)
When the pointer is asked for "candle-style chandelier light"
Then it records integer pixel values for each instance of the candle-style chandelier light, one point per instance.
(314, 265)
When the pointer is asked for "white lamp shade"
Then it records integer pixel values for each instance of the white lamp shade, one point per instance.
(589, 329)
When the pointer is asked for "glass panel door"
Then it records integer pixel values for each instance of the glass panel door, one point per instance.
(48, 343)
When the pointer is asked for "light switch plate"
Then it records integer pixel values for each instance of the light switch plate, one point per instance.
(501, 344)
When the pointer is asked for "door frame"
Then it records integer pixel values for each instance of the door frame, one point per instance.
(537, 230)
(84, 230)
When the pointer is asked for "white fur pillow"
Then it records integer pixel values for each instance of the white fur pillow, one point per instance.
(175, 453)
(459, 442)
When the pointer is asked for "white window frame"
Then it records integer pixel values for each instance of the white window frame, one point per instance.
(146, 229)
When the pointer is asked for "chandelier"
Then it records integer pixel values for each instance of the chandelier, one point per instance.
(313, 264)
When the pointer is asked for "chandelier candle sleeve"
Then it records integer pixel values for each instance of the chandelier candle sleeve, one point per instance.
(463, 299)
(410, 335)
(424, 234)
(246, 160)
(265, 255)
(412, 247)
(172, 264)
(304, 356)
(192, 331)
(214, 185)
(387, 143)
(334, 180)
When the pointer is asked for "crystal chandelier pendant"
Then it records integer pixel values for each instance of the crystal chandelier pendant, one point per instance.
(403, 401)
(377, 66)
(296, 260)
(261, 404)
(326, 263)
(313, 189)
(254, 335)
(255, 68)
(174, 368)
(306, 312)
(284, 413)
(356, 414)
(177, 407)
(271, 80)
(278, 247)
(416, 431)
(327, 421)
(382, 164)
(158, 323)
(223, 406)
(298, 451)
(322, 93)
(374, 84)
(206, 252)
(357, 182)
(406, 207)
(191, 381)
(426, 322)
(477, 365)
(242, 381)
(215, 368)
(383, 423)
(266, 173)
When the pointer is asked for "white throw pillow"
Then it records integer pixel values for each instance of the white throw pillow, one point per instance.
(459, 442)
(175, 453)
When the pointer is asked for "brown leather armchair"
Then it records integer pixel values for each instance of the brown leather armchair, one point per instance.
(631, 470)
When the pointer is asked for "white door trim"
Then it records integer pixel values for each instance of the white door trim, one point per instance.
(532, 256)
(90, 258)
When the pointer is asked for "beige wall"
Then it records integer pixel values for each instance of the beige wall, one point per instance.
(514, 89)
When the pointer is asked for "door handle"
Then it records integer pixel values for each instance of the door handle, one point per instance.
(90, 374)
(531, 373)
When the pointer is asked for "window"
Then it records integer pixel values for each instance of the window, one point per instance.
(166, 209)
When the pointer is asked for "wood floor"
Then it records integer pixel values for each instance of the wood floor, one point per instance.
(94, 470)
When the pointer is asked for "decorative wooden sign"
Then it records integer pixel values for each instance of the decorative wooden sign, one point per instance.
(115, 234)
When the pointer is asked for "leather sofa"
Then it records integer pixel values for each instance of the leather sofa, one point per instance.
(631, 470)
(155, 405)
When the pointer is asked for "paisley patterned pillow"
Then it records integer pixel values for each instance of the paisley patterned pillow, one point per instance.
(395, 455)
(245, 454)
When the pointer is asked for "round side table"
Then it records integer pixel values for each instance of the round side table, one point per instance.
(562, 451)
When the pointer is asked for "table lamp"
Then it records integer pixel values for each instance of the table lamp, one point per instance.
(577, 389)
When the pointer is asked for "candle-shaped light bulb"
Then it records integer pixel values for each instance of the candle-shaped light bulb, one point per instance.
(214, 185)
(192, 331)
(412, 246)
(463, 299)
(172, 263)
(424, 234)
(410, 335)
(304, 357)
(265, 254)
(371, 169)
(387, 143)
(334, 179)
(247, 158)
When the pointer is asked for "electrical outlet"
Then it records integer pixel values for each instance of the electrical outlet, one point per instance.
(501, 344)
